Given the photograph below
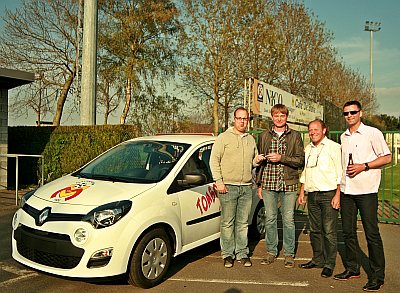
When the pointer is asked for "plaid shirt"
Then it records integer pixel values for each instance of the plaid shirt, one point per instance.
(272, 176)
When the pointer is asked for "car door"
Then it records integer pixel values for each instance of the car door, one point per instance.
(199, 205)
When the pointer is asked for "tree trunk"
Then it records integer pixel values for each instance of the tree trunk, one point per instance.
(105, 118)
(128, 99)
(215, 115)
(63, 97)
(226, 112)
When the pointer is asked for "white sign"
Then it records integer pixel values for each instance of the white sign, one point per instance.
(301, 110)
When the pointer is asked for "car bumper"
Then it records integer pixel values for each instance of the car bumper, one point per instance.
(53, 248)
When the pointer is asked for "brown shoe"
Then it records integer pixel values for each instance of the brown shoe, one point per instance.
(268, 260)
(289, 262)
(228, 262)
(246, 262)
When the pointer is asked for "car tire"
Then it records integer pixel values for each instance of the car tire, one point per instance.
(150, 259)
(257, 227)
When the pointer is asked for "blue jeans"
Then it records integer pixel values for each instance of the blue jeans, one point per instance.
(288, 202)
(367, 204)
(323, 228)
(236, 206)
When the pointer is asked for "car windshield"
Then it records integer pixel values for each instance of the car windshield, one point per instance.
(135, 162)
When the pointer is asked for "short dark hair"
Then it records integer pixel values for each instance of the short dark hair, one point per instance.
(240, 108)
(280, 108)
(323, 125)
(350, 103)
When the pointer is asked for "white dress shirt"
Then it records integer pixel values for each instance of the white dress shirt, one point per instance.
(323, 167)
(366, 144)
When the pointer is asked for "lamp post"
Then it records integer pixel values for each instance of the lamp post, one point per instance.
(371, 26)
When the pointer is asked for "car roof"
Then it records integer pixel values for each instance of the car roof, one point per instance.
(180, 138)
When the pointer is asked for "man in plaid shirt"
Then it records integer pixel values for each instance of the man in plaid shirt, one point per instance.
(277, 178)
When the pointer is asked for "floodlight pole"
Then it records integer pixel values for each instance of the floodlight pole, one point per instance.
(371, 26)
(89, 66)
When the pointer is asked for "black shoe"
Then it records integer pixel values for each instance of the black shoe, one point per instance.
(246, 262)
(327, 273)
(373, 285)
(346, 275)
(228, 262)
(309, 265)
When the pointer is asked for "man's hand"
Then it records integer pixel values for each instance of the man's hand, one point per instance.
(259, 193)
(335, 202)
(273, 157)
(355, 169)
(222, 189)
(301, 199)
(260, 158)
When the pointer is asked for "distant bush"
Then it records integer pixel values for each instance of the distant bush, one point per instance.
(65, 148)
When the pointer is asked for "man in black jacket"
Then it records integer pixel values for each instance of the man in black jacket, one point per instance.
(278, 178)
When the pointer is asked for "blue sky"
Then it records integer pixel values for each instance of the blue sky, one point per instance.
(346, 19)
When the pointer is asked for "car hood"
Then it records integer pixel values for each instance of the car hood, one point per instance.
(87, 192)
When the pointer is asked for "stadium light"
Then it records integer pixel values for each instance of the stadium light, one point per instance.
(371, 27)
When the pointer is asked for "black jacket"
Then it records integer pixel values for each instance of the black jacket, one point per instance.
(292, 160)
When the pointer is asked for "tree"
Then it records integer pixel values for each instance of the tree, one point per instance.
(305, 42)
(390, 122)
(109, 89)
(311, 67)
(157, 114)
(210, 52)
(138, 36)
(259, 39)
(42, 36)
(36, 97)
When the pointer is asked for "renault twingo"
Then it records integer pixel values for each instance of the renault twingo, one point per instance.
(128, 211)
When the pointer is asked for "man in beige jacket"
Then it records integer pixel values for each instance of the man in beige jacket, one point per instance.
(233, 156)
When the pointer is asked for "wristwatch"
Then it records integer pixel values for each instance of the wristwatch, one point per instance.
(366, 167)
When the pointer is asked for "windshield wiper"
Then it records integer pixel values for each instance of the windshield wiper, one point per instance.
(83, 175)
(114, 178)
(108, 178)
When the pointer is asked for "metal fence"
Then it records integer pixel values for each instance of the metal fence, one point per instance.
(389, 191)
(17, 156)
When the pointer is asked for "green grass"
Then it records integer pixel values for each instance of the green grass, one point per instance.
(390, 184)
(389, 194)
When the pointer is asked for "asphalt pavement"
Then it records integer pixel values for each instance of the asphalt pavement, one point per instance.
(202, 269)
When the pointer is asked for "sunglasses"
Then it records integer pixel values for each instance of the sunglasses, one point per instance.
(351, 112)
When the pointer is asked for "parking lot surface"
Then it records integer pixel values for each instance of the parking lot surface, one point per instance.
(202, 270)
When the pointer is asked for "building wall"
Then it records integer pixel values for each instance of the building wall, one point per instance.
(3, 137)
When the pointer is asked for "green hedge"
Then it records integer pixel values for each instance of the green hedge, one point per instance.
(65, 148)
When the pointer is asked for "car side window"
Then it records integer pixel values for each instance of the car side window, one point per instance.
(197, 164)
(204, 155)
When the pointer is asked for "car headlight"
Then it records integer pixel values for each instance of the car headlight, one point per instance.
(108, 214)
(15, 220)
(25, 197)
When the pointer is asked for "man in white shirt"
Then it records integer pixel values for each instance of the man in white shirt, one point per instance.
(321, 180)
(359, 193)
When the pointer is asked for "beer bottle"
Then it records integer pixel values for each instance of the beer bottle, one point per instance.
(351, 159)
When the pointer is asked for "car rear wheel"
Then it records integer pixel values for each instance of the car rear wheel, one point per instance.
(150, 260)
(257, 227)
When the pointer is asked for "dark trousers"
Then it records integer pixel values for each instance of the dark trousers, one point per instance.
(367, 205)
(323, 228)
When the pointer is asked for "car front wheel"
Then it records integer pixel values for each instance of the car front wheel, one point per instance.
(150, 260)
(257, 227)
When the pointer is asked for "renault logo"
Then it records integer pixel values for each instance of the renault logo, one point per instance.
(44, 214)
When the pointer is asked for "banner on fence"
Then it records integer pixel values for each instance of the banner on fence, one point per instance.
(301, 110)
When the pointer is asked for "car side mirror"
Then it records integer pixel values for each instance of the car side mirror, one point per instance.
(193, 179)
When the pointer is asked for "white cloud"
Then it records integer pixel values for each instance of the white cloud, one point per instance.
(354, 51)
(389, 101)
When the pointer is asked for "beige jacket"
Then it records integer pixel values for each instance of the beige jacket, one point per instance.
(232, 158)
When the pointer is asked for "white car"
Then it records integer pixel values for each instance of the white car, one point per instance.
(127, 211)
